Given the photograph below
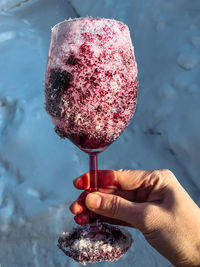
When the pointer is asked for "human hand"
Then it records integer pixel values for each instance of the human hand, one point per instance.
(153, 202)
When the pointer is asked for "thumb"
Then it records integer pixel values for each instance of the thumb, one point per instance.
(115, 207)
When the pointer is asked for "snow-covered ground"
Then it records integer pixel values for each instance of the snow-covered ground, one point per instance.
(37, 168)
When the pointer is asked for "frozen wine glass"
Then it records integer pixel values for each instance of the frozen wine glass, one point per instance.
(91, 93)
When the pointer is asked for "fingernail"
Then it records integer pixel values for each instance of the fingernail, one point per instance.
(82, 182)
(78, 183)
(93, 201)
(82, 219)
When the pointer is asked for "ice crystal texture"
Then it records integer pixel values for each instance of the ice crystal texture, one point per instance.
(85, 246)
(91, 80)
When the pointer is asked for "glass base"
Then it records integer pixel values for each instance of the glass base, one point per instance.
(95, 243)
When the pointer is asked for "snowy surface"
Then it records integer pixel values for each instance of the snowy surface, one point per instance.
(37, 168)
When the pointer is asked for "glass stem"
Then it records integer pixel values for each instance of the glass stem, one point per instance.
(95, 225)
(94, 172)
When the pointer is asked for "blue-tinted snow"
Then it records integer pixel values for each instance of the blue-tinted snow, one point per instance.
(37, 168)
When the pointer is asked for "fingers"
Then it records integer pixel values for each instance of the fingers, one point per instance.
(83, 215)
(126, 179)
(125, 196)
(78, 206)
(109, 179)
(116, 210)
(123, 179)
(115, 207)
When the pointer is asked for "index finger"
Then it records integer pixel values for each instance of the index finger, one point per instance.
(115, 179)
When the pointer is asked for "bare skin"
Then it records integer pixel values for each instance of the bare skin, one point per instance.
(153, 202)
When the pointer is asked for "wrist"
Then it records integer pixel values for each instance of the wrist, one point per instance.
(192, 259)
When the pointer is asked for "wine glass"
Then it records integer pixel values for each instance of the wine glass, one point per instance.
(91, 94)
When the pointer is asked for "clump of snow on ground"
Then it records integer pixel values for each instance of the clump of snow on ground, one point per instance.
(37, 168)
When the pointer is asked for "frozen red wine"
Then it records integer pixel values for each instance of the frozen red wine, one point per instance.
(91, 80)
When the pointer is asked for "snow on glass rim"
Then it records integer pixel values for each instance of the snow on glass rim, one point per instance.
(86, 18)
